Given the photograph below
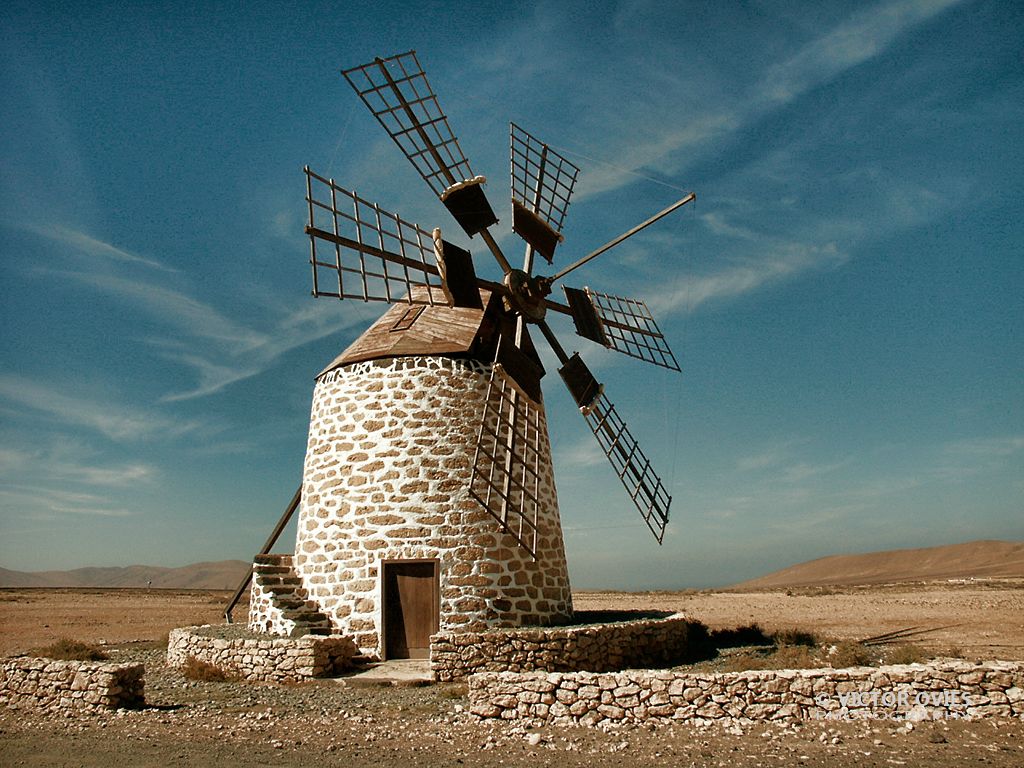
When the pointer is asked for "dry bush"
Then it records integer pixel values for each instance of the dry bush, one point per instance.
(750, 634)
(795, 637)
(850, 653)
(786, 657)
(906, 653)
(204, 671)
(66, 649)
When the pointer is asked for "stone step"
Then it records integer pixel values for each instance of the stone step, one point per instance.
(304, 629)
(271, 585)
(272, 559)
(293, 603)
(263, 569)
(278, 580)
(305, 616)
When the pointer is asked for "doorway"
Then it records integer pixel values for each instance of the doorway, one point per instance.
(411, 607)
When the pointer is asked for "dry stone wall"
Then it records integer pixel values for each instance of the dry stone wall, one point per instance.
(278, 659)
(945, 689)
(387, 476)
(52, 684)
(596, 648)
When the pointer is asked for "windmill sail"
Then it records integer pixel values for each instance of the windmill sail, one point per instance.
(506, 468)
(542, 183)
(359, 251)
(632, 466)
(397, 92)
(625, 325)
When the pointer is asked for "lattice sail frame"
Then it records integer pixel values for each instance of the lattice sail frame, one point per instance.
(373, 255)
(630, 328)
(412, 117)
(542, 179)
(506, 468)
(631, 464)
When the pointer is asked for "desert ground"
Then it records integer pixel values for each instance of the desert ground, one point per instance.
(337, 722)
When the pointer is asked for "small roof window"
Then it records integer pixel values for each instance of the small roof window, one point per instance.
(408, 318)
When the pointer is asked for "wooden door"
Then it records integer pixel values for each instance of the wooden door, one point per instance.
(410, 608)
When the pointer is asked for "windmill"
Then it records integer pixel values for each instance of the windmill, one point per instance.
(468, 339)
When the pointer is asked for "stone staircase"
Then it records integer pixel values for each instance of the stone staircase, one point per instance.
(275, 574)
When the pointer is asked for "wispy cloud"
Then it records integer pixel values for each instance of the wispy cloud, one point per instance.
(114, 420)
(220, 350)
(94, 247)
(962, 459)
(786, 260)
(859, 38)
(582, 453)
(866, 33)
(173, 307)
(217, 367)
(36, 502)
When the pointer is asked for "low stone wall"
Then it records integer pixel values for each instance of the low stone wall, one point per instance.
(274, 659)
(52, 684)
(945, 689)
(595, 648)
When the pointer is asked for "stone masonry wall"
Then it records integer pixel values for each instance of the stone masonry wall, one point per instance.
(944, 689)
(264, 615)
(51, 684)
(596, 648)
(387, 475)
(278, 659)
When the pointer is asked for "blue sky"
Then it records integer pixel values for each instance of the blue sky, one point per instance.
(846, 297)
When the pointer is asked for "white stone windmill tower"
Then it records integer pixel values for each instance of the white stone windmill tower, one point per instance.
(428, 499)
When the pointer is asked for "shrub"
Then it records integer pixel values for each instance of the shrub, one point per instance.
(751, 634)
(204, 671)
(795, 637)
(849, 653)
(906, 653)
(66, 649)
(786, 657)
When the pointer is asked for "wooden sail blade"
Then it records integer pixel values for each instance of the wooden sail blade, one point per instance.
(630, 463)
(542, 183)
(506, 468)
(397, 92)
(359, 251)
(458, 278)
(626, 326)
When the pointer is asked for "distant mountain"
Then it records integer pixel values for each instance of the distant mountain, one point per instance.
(224, 574)
(978, 559)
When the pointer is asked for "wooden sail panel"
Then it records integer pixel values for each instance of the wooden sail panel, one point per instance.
(506, 468)
(584, 316)
(534, 230)
(629, 327)
(542, 183)
(397, 92)
(631, 464)
(359, 251)
(581, 382)
(467, 203)
(458, 278)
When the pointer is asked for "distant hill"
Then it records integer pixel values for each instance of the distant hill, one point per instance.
(224, 574)
(978, 559)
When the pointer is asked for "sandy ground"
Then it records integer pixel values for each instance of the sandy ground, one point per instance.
(980, 619)
(331, 723)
